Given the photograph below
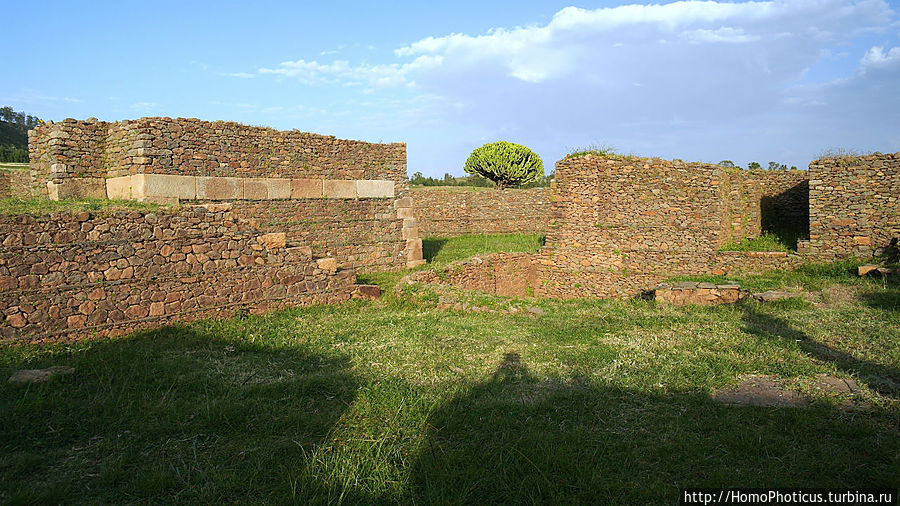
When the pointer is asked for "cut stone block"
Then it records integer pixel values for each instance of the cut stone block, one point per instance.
(218, 188)
(371, 188)
(278, 188)
(339, 189)
(156, 187)
(370, 292)
(404, 202)
(410, 233)
(306, 188)
(84, 187)
(413, 249)
(410, 223)
(327, 264)
(118, 188)
(255, 188)
(405, 212)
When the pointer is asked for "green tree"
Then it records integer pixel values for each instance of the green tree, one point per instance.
(754, 166)
(505, 163)
(777, 166)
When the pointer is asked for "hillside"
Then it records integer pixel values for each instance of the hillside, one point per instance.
(14, 127)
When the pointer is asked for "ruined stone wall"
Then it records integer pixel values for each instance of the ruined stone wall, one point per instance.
(341, 197)
(452, 211)
(854, 205)
(68, 275)
(623, 224)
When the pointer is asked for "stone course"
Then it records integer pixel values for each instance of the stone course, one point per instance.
(453, 211)
(14, 183)
(68, 275)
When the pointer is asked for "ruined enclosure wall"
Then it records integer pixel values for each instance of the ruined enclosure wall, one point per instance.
(67, 275)
(854, 205)
(452, 211)
(623, 224)
(755, 201)
(338, 196)
(192, 147)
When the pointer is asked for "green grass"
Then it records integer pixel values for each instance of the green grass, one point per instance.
(15, 206)
(13, 166)
(441, 251)
(388, 401)
(765, 242)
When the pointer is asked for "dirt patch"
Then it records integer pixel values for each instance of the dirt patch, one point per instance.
(760, 391)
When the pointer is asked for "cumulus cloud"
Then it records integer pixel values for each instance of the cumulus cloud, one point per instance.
(692, 79)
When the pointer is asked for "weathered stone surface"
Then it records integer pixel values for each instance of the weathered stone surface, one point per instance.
(773, 295)
(760, 391)
(278, 188)
(453, 211)
(370, 188)
(39, 375)
(255, 188)
(404, 202)
(218, 188)
(703, 294)
(69, 188)
(405, 212)
(307, 188)
(273, 240)
(118, 188)
(163, 186)
(327, 264)
(339, 189)
(370, 292)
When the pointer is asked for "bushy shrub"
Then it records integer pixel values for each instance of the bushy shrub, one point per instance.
(506, 164)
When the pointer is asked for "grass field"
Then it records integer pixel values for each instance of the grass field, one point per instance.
(388, 401)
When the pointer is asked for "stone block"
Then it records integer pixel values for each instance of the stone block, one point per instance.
(404, 202)
(370, 292)
(77, 187)
(339, 189)
(118, 188)
(278, 188)
(410, 233)
(218, 188)
(306, 188)
(163, 187)
(410, 223)
(327, 264)
(405, 212)
(255, 188)
(273, 240)
(413, 249)
(371, 188)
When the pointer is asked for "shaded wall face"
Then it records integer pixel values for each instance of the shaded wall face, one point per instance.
(758, 201)
(453, 211)
(854, 205)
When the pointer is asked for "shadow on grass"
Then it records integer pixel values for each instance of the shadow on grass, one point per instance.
(170, 415)
(431, 246)
(881, 378)
(517, 439)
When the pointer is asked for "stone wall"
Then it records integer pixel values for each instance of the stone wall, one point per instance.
(854, 205)
(451, 211)
(343, 198)
(14, 183)
(67, 275)
(758, 200)
(622, 224)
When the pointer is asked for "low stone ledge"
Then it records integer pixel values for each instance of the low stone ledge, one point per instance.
(701, 294)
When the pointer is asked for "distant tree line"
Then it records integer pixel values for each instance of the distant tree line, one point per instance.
(8, 115)
(757, 166)
(14, 126)
(418, 179)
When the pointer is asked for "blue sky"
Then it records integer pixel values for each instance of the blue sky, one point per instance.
(746, 81)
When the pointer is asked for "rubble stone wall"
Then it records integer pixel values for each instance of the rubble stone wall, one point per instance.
(854, 205)
(68, 275)
(14, 183)
(452, 211)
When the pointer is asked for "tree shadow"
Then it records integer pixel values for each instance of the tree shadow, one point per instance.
(431, 246)
(882, 378)
(517, 439)
(171, 413)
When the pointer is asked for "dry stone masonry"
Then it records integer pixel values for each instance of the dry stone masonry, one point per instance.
(75, 274)
(453, 211)
(345, 199)
(854, 205)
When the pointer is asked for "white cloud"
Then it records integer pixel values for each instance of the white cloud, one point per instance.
(876, 57)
